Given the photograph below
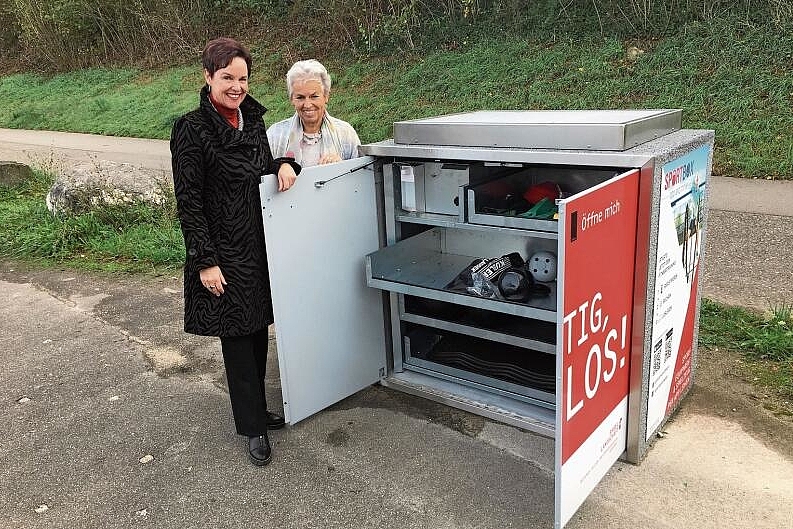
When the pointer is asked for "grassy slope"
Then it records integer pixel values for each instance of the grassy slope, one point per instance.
(742, 90)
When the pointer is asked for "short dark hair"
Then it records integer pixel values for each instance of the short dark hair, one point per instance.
(218, 53)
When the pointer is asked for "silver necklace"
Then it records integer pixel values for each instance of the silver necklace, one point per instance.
(312, 138)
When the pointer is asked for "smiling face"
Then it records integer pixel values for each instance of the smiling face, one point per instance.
(229, 85)
(309, 100)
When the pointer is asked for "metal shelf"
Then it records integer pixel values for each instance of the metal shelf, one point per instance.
(525, 394)
(460, 328)
(476, 399)
(543, 229)
(503, 221)
(430, 219)
(423, 265)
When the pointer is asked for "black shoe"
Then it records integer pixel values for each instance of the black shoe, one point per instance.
(274, 422)
(259, 451)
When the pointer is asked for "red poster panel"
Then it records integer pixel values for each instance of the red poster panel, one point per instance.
(680, 236)
(681, 379)
(597, 246)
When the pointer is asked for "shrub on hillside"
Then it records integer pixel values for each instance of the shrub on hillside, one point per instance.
(70, 34)
(9, 30)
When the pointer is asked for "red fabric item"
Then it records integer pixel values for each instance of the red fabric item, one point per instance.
(537, 192)
(230, 114)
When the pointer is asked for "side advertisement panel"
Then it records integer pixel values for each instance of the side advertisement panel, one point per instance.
(680, 232)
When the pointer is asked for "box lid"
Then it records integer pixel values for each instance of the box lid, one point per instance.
(609, 130)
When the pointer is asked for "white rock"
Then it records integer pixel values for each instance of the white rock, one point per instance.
(148, 458)
(87, 186)
(42, 508)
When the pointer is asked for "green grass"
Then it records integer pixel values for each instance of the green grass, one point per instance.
(766, 341)
(131, 238)
(742, 90)
(122, 102)
(765, 337)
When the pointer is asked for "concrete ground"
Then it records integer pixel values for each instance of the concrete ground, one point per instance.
(111, 416)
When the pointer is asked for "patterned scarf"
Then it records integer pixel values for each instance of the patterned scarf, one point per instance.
(329, 142)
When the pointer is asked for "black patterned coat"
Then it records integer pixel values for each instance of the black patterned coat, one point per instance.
(216, 173)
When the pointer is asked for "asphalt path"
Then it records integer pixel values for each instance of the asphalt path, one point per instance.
(111, 416)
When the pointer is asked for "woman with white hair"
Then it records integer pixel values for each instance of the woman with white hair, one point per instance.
(312, 135)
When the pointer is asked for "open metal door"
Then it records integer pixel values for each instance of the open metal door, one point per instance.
(597, 247)
(328, 324)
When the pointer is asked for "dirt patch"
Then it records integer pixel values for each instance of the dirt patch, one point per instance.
(723, 387)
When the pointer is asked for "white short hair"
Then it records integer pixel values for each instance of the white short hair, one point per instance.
(308, 70)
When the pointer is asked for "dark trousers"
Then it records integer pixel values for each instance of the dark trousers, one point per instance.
(245, 358)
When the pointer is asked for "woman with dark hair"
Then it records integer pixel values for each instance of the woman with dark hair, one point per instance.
(219, 152)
